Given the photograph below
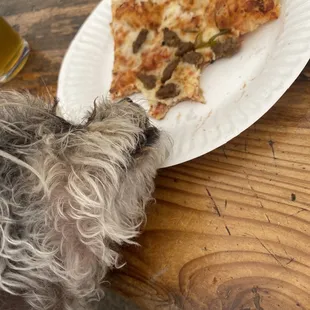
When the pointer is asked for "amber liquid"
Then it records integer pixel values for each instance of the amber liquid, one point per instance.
(13, 51)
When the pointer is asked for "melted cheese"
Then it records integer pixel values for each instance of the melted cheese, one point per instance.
(187, 18)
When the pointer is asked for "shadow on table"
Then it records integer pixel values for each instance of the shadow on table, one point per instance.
(112, 301)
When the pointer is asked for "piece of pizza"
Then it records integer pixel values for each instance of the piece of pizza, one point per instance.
(161, 46)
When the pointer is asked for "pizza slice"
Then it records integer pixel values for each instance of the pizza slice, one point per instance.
(162, 46)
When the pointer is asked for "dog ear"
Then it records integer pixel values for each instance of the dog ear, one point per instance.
(88, 213)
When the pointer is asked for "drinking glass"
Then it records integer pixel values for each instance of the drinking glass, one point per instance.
(14, 51)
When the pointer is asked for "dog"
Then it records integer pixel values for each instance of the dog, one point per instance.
(70, 195)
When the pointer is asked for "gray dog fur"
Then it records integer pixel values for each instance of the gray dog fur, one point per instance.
(68, 195)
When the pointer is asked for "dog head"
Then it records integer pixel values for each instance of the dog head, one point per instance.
(69, 193)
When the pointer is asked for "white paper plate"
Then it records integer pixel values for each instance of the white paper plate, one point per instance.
(238, 90)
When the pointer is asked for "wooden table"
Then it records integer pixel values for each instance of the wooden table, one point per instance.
(231, 229)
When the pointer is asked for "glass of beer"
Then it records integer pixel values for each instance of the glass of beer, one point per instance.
(14, 51)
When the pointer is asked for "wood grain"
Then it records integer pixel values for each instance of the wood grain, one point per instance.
(231, 229)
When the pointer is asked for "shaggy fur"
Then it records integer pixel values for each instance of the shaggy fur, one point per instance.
(68, 194)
